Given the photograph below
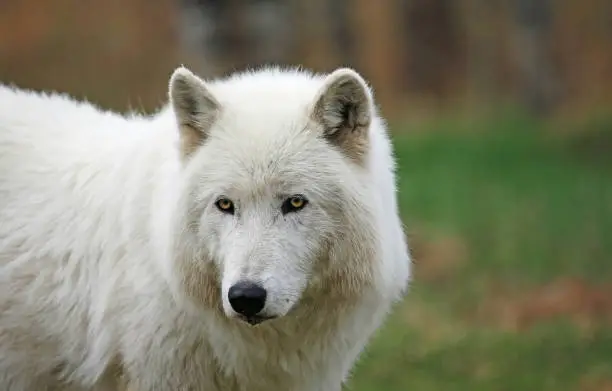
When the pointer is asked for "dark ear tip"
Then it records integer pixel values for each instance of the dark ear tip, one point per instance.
(182, 81)
(181, 73)
(348, 82)
(345, 71)
(343, 75)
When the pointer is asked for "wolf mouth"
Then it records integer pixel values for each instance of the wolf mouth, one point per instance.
(255, 320)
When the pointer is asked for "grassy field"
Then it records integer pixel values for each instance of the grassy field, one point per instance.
(511, 228)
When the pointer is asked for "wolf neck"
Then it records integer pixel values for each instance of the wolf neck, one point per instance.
(160, 150)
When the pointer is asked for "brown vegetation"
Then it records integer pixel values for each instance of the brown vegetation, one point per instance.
(585, 304)
(437, 259)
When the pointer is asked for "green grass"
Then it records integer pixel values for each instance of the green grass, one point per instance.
(529, 209)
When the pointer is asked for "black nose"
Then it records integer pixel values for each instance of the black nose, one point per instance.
(247, 298)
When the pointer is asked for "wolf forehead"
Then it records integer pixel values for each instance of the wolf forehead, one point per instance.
(280, 94)
(265, 111)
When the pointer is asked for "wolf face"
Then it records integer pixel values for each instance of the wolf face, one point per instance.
(273, 177)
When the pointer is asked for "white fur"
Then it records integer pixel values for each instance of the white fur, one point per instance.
(109, 243)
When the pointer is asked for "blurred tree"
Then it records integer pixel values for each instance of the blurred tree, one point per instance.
(272, 28)
(482, 38)
(538, 81)
(221, 36)
(434, 40)
(344, 42)
(437, 51)
(233, 44)
(112, 52)
(314, 37)
(376, 27)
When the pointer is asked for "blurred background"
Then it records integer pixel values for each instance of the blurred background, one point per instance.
(501, 116)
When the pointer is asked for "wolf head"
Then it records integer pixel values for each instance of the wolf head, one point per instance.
(275, 197)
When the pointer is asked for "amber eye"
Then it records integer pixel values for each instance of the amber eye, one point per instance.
(225, 205)
(297, 202)
(293, 204)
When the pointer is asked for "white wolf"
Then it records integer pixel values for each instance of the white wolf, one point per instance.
(245, 237)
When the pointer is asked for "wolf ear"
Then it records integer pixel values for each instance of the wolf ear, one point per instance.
(194, 106)
(344, 107)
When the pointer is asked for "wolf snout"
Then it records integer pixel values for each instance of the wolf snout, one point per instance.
(247, 298)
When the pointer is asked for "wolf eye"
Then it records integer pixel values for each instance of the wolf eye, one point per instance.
(293, 204)
(225, 205)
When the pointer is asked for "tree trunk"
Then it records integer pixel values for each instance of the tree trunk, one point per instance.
(538, 81)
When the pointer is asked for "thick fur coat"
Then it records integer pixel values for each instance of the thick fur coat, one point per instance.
(121, 237)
